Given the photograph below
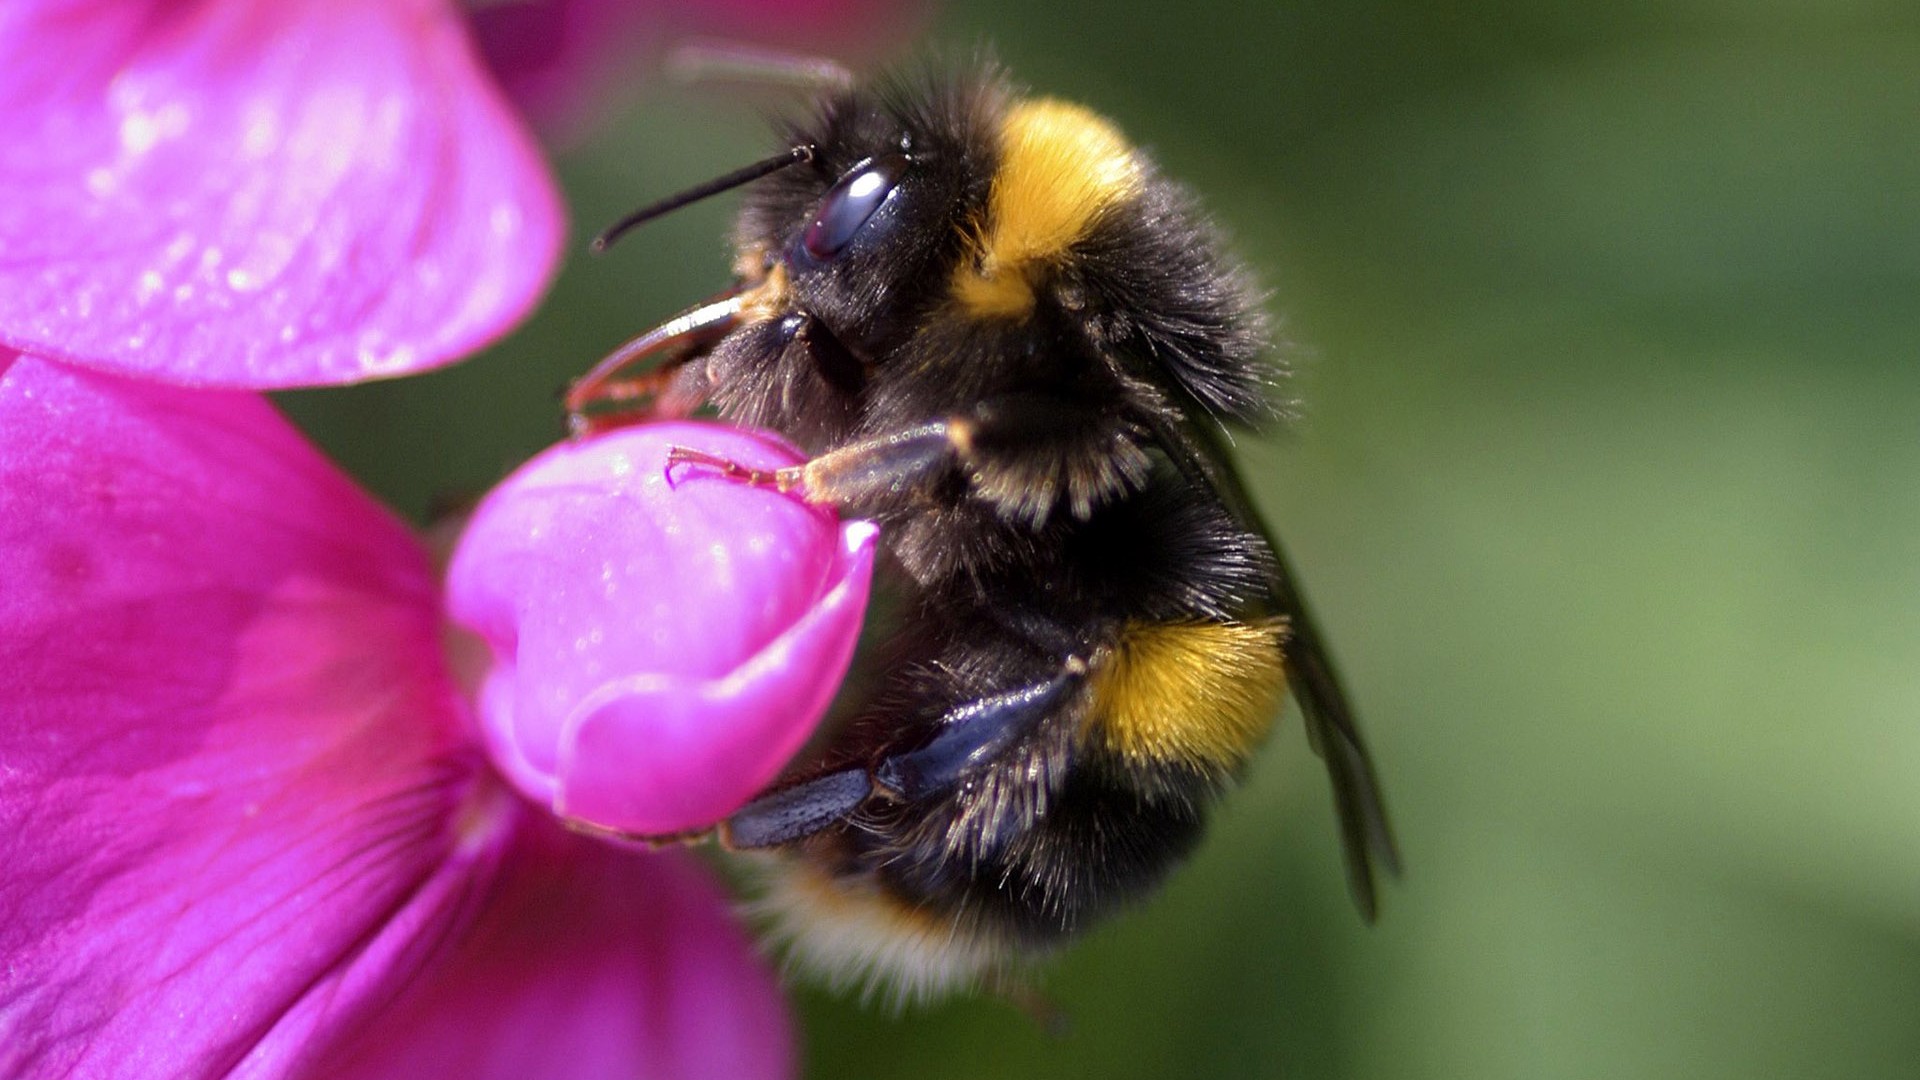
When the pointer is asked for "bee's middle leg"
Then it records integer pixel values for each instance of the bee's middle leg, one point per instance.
(854, 475)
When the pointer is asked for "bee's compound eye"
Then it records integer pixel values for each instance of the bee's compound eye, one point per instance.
(851, 204)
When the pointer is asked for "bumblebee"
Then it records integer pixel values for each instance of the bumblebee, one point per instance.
(1002, 334)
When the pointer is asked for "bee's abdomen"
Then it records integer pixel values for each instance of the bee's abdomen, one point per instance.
(1193, 697)
(1100, 844)
(899, 919)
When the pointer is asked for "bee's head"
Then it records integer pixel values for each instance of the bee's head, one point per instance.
(865, 228)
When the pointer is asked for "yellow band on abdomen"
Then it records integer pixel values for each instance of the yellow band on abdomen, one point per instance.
(1201, 693)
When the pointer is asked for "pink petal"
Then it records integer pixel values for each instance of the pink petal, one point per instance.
(560, 59)
(660, 649)
(590, 962)
(555, 58)
(237, 798)
(246, 194)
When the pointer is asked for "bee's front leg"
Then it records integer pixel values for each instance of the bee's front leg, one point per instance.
(609, 395)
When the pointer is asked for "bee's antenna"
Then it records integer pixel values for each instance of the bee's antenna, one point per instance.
(709, 61)
(694, 194)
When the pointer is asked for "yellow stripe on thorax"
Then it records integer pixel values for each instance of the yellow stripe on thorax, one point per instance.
(1061, 167)
(1201, 694)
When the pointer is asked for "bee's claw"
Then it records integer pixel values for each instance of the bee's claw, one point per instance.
(781, 480)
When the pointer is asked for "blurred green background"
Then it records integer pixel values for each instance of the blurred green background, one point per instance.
(1607, 484)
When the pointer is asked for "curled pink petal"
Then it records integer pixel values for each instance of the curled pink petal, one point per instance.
(243, 194)
(590, 963)
(238, 801)
(660, 649)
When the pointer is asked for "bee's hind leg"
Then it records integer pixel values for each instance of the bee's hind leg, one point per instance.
(971, 735)
(975, 733)
(792, 813)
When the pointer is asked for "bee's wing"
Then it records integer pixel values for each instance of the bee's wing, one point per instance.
(1196, 446)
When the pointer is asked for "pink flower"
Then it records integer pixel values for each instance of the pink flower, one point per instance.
(238, 193)
(559, 59)
(244, 805)
(277, 193)
(252, 822)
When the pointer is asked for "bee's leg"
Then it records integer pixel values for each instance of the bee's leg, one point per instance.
(782, 480)
(970, 735)
(857, 476)
(975, 733)
(696, 328)
(791, 813)
(842, 476)
(1023, 452)
(664, 391)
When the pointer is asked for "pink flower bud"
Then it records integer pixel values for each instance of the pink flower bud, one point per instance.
(660, 648)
